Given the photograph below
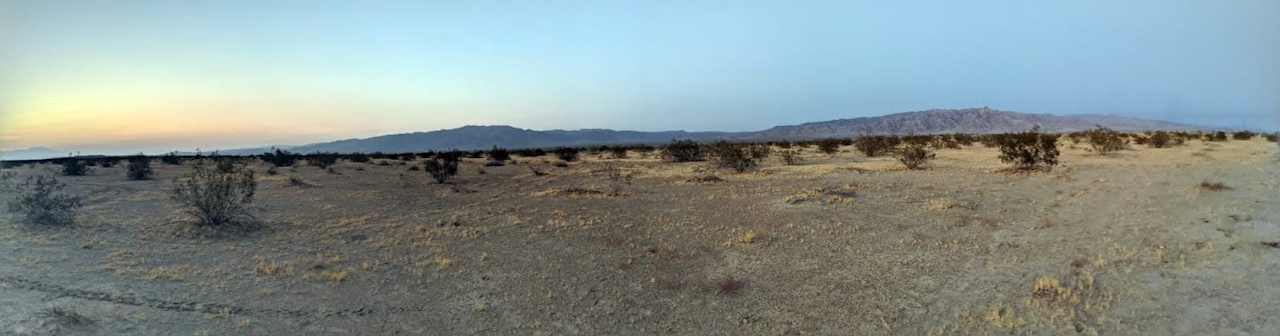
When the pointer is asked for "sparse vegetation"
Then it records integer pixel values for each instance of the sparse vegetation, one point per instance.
(683, 151)
(280, 158)
(74, 167)
(1104, 140)
(876, 145)
(1243, 135)
(789, 157)
(567, 154)
(214, 197)
(1213, 186)
(499, 154)
(1160, 139)
(732, 155)
(139, 168)
(1028, 150)
(915, 156)
(829, 146)
(41, 201)
(442, 168)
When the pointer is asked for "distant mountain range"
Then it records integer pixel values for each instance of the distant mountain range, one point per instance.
(936, 121)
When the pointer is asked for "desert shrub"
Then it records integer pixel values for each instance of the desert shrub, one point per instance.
(567, 154)
(829, 146)
(1160, 139)
(943, 142)
(74, 167)
(322, 161)
(1243, 135)
(783, 144)
(139, 168)
(499, 154)
(732, 155)
(280, 158)
(1103, 140)
(107, 163)
(789, 157)
(41, 201)
(914, 156)
(1272, 137)
(535, 152)
(1029, 150)
(170, 159)
(876, 145)
(1219, 136)
(683, 151)
(358, 158)
(618, 152)
(916, 139)
(963, 139)
(214, 197)
(759, 151)
(441, 168)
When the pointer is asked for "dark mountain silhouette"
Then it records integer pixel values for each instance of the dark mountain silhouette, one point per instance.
(971, 120)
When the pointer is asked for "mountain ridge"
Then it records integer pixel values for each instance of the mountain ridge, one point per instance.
(933, 121)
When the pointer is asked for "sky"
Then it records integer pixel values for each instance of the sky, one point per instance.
(127, 76)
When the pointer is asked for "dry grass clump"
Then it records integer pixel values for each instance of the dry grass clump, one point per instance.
(1213, 186)
(707, 178)
(573, 192)
(824, 195)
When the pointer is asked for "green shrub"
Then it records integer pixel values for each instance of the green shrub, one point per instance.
(915, 156)
(1028, 150)
(41, 201)
(214, 197)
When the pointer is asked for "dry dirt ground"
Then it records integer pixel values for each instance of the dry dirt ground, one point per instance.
(844, 245)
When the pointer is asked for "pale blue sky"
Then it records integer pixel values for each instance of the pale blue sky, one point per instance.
(239, 73)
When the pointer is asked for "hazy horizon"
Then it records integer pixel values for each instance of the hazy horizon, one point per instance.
(143, 76)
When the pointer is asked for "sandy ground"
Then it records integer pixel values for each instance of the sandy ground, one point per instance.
(1124, 244)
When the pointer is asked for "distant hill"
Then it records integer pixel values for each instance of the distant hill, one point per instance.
(33, 153)
(971, 120)
(936, 121)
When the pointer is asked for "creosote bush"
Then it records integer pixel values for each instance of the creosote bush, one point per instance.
(915, 156)
(441, 168)
(280, 158)
(1243, 135)
(1028, 150)
(41, 201)
(1160, 139)
(829, 146)
(322, 161)
(171, 159)
(74, 167)
(732, 155)
(1103, 140)
(499, 154)
(877, 145)
(683, 151)
(567, 154)
(214, 197)
(789, 156)
(139, 168)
